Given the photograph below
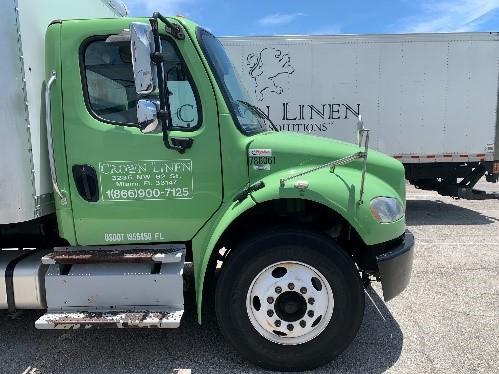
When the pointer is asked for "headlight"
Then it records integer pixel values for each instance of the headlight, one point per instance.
(386, 209)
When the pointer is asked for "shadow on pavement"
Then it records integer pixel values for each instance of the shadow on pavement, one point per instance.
(436, 212)
(376, 348)
(199, 348)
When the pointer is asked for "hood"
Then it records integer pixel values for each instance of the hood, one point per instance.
(288, 153)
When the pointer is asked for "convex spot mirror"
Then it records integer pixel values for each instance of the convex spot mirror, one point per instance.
(144, 70)
(147, 116)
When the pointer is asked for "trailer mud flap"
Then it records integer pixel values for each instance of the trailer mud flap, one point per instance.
(395, 267)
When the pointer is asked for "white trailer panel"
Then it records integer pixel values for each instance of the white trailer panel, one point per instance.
(25, 189)
(426, 97)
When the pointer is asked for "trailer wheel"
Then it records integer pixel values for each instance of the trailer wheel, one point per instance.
(289, 300)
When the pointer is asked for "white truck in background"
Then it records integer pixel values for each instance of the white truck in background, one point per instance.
(430, 99)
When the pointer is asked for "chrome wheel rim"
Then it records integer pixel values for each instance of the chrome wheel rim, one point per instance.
(290, 303)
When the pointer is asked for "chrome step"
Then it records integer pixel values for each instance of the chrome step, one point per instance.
(110, 319)
(141, 254)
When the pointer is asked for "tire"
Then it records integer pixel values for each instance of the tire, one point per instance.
(254, 272)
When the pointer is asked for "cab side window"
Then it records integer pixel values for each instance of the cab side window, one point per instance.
(110, 90)
(109, 82)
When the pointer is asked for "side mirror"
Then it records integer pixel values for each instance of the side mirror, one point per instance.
(147, 116)
(144, 70)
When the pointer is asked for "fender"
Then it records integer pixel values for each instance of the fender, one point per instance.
(335, 190)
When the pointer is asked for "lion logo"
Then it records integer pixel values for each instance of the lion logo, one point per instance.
(265, 68)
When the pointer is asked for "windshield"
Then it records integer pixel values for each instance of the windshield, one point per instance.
(249, 120)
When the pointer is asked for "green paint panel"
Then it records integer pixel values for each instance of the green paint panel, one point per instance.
(293, 153)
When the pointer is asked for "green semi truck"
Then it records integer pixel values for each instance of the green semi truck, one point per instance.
(153, 155)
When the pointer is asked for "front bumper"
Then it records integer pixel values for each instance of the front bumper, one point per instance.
(395, 267)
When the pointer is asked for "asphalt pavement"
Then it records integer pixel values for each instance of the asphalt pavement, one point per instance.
(446, 321)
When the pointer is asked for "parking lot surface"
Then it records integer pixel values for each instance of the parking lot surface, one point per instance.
(446, 321)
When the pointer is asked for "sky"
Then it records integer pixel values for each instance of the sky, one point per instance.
(295, 17)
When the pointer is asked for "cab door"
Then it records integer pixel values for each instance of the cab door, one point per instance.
(126, 186)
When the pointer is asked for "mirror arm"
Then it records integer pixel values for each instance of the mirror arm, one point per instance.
(164, 115)
(171, 28)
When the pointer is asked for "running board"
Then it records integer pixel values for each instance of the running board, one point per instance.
(109, 319)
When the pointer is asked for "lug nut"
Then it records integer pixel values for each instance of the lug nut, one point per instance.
(303, 290)
(303, 323)
(270, 299)
(311, 300)
(277, 323)
(290, 327)
(291, 286)
(270, 312)
(310, 313)
(278, 289)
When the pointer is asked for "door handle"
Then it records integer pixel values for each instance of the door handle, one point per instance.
(86, 181)
(48, 123)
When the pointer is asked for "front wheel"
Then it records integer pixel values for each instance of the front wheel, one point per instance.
(289, 300)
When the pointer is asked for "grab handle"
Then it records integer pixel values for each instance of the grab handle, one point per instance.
(48, 123)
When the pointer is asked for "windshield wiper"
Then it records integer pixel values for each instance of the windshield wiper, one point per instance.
(260, 113)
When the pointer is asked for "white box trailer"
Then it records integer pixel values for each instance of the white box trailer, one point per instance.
(430, 99)
(25, 185)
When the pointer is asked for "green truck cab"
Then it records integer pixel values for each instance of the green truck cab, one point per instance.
(154, 146)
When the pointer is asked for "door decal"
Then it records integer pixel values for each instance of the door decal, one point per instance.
(146, 180)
